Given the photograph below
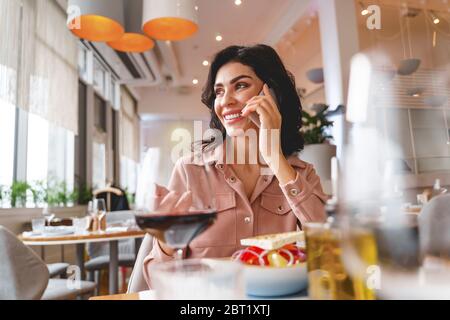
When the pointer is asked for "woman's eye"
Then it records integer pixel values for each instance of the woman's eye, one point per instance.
(241, 85)
(218, 92)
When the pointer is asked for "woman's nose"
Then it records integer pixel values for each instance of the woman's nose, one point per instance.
(228, 99)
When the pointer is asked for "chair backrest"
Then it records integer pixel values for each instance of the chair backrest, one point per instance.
(434, 226)
(23, 275)
(137, 281)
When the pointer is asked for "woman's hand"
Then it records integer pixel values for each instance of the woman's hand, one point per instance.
(270, 135)
(270, 130)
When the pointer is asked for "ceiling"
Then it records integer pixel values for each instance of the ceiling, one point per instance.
(254, 21)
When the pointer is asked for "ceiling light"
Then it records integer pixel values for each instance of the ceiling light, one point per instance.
(206, 63)
(238, 2)
(364, 11)
(99, 20)
(195, 81)
(315, 75)
(408, 66)
(219, 38)
(434, 17)
(170, 19)
(133, 40)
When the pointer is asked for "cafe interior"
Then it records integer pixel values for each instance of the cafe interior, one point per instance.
(99, 99)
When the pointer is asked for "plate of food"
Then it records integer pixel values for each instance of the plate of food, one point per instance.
(274, 265)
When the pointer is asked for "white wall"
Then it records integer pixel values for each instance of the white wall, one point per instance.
(163, 111)
(170, 104)
(158, 134)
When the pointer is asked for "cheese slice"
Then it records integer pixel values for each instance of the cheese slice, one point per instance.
(274, 241)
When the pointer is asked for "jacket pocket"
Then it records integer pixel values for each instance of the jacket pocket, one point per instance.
(223, 231)
(275, 203)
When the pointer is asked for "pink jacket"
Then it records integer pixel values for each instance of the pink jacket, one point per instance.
(272, 208)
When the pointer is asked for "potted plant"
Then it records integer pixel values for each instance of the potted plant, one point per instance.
(38, 190)
(318, 148)
(18, 193)
(1, 196)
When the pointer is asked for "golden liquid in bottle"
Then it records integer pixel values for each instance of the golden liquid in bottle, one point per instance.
(328, 277)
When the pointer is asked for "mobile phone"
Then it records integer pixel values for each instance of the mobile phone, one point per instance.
(254, 117)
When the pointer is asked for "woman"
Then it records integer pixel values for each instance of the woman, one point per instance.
(248, 203)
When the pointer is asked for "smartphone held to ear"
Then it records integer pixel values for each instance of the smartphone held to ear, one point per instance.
(254, 117)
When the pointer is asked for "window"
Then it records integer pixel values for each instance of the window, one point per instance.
(98, 165)
(99, 78)
(100, 113)
(50, 154)
(7, 138)
(128, 174)
(37, 154)
(33, 148)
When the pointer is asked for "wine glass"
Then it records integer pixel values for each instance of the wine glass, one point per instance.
(49, 216)
(99, 210)
(173, 227)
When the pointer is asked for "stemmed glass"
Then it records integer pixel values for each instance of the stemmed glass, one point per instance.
(178, 228)
(49, 216)
(99, 211)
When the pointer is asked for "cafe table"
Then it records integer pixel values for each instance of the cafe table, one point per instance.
(150, 295)
(79, 240)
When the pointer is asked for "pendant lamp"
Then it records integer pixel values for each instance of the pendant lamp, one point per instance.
(170, 19)
(96, 20)
(133, 40)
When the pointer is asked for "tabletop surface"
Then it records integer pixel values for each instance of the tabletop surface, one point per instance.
(81, 238)
(150, 295)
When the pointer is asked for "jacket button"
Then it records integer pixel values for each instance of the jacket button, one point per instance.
(280, 208)
(293, 192)
(247, 220)
(232, 179)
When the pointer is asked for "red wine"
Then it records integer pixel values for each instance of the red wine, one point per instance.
(176, 229)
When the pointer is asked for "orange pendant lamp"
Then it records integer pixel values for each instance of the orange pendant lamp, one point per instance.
(133, 40)
(96, 20)
(170, 19)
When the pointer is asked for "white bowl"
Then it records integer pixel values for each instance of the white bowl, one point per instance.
(274, 282)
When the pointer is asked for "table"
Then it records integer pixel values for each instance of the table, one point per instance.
(150, 295)
(81, 239)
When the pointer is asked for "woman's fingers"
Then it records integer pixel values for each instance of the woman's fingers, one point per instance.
(271, 99)
(264, 101)
(258, 106)
(260, 109)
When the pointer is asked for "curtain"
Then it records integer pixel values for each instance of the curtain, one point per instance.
(48, 84)
(129, 127)
(9, 50)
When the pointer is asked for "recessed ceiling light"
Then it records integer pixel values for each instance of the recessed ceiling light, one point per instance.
(364, 10)
(238, 2)
(219, 38)
(195, 81)
(206, 63)
(196, 8)
(434, 17)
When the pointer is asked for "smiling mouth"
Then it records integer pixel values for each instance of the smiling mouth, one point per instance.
(232, 116)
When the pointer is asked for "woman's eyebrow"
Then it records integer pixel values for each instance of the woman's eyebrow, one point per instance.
(234, 80)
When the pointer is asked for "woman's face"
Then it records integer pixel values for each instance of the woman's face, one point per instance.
(235, 85)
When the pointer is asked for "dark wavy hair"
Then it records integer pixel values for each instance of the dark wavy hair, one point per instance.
(267, 65)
